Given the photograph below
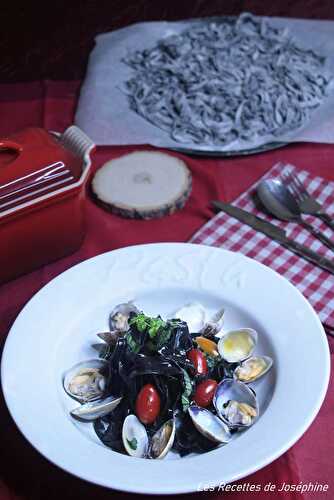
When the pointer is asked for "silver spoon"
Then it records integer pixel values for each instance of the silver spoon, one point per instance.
(278, 200)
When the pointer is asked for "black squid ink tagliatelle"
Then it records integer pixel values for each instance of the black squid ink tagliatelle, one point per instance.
(237, 79)
(161, 386)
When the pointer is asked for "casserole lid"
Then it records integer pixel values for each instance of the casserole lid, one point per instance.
(33, 163)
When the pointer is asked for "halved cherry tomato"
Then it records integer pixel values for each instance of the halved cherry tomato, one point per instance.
(148, 404)
(204, 392)
(198, 360)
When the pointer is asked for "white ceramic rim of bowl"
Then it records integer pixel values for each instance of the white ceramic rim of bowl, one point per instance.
(187, 477)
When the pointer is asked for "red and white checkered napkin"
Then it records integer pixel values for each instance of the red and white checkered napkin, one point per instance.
(316, 284)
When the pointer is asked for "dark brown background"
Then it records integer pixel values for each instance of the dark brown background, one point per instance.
(52, 40)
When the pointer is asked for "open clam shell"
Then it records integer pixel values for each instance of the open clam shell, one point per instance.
(85, 381)
(162, 441)
(209, 425)
(119, 316)
(104, 350)
(135, 437)
(236, 404)
(109, 342)
(96, 409)
(110, 338)
(252, 369)
(194, 315)
(237, 345)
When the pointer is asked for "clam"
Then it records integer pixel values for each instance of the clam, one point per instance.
(252, 368)
(235, 403)
(135, 437)
(237, 345)
(239, 414)
(194, 315)
(109, 342)
(119, 316)
(209, 425)
(213, 325)
(86, 381)
(110, 338)
(103, 349)
(96, 409)
(162, 441)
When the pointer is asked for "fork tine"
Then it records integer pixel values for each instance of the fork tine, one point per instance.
(299, 188)
(303, 194)
(291, 185)
(299, 183)
(286, 177)
(286, 180)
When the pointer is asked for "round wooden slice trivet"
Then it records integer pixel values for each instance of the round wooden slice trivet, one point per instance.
(143, 184)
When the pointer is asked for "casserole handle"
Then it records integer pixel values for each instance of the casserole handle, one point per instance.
(6, 144)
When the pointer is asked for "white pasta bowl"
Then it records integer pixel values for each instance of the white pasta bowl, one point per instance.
(57, 327)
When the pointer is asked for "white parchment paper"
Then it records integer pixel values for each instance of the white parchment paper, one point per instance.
(103, 110)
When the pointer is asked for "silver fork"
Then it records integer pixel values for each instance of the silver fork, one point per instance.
(307, 204)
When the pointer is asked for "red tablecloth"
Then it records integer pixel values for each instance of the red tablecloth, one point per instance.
(23, 472)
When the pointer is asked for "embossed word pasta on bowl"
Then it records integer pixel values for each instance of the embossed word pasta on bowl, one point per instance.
(198, 267)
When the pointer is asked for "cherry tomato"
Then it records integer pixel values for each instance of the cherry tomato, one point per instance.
(148, 404)
(204, 392)
(198, 360)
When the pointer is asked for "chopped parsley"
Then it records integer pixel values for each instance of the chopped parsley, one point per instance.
(158, 331)
(156, 324)
(140, 322)
(144, 323)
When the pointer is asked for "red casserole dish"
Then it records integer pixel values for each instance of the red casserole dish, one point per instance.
(42, 191)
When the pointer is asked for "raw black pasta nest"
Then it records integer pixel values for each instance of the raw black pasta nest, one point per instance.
(237, 79)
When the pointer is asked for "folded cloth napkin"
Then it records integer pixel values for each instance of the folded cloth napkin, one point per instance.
(316, 284)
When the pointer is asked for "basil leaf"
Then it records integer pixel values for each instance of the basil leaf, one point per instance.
(163, 337)
(185, 402)
(133, 345)
(211, 361)
(133, 443)
(188, 388)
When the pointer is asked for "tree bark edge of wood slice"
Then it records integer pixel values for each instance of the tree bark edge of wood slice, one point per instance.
(141, 171)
